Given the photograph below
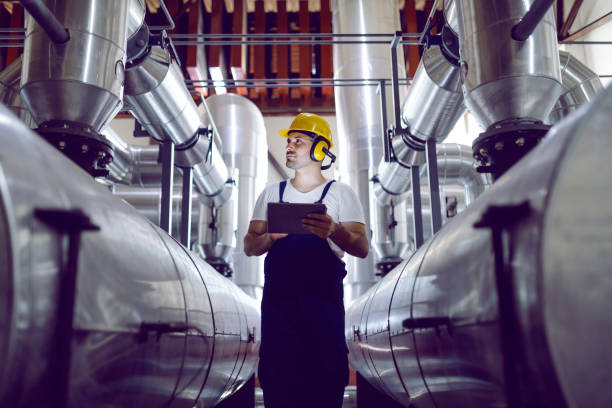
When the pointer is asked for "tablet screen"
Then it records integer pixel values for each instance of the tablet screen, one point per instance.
(287, 217)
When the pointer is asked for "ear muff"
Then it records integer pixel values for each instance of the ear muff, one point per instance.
(316, 151)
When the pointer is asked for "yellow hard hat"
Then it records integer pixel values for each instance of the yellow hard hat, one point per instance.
(309, 122)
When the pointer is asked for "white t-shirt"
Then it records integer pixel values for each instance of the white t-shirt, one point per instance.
(341, 202)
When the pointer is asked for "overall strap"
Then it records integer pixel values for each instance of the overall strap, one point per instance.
(281, 190)
(325, 190)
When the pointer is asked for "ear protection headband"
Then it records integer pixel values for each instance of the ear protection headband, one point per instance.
(320, 149)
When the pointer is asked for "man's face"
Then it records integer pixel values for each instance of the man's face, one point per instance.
(298, 150)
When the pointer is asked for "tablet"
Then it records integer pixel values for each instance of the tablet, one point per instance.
(286, 218)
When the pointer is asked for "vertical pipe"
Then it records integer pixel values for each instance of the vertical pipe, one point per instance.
(383, 119)
(186, 206)
(167, 157)
(434, 187)
(394, 81)
(416, 205)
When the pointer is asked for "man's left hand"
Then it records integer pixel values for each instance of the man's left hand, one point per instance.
(322, 225)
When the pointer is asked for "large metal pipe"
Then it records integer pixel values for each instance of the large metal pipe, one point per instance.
(580, 85)
(462, 324)
(358, 108)
(10, 79)
(153, 324)
(432, 106)
(507, 79)
(157, 96)
(80, 81)
(242, 132)
(147, 201)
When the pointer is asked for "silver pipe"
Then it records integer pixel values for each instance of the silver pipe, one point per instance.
(390, 232)
(147, 201)
(10, 79)
(130, 272)
(432, 107)
(580, 85)
(81, 80)
(156, 93)
(507, 79)
(217, 232)
(136, 15)
(47, 20)
(243, 135)
(431, 332)
(456, 165)
(358, 108)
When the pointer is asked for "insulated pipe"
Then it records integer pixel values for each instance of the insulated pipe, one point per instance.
(580, 85)
(47, 20)
(10, 79)
(358, 108)
(432, 107)
(147, 201)
(156, 93)
(153, 324)
(81, 81)
(507, 79)
(515, 265)
(136, 15)
(243, 134)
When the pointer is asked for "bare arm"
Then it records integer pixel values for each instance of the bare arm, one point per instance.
(349, 236)
(257, 241)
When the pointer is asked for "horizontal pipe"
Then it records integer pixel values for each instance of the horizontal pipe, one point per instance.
(169, 328)
(47, 20)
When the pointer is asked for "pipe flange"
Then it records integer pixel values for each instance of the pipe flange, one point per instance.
(505, 143)
(81, 144)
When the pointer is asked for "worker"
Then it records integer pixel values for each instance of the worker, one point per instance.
(303, 354)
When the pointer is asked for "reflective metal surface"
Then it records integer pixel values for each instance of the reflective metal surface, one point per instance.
(390, 230)
(10, 80)
(135, 16)
(580, 85)
(242, 131)
(81, 80)
(147, 201)
(434, 101)
(558, 260)
(455, 166)
(432, 106)
(129, 272)
(450, 15)
(503, 78)
(358, 108)
(156, 92)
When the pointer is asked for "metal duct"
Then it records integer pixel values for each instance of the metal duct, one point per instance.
(10, 79)
(80, 81)
(242, 131)
(129, 273)
(451, 327)
(456, 166)
(135, 17)
(147, 201)
(358, 108)
(503, 78)
(580, 85)
(217, 235)
(390, 233)
(156, 92)
(432, 107)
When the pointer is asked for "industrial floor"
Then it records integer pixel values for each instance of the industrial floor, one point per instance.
(349, 397)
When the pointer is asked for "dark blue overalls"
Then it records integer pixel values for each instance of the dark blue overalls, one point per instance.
(303, 355)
